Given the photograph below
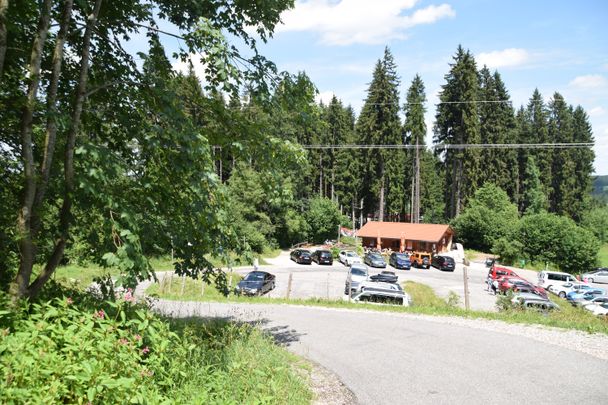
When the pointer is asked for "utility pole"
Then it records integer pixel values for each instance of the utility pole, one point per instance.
(465, 274)
(416, 208)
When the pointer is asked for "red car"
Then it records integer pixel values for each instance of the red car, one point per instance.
(511, 283)
(497, 272)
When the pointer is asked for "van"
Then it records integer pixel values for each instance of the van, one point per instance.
(548, 278)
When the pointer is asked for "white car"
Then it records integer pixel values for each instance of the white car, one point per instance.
(563, 289)
(598, 309)
(348, 257)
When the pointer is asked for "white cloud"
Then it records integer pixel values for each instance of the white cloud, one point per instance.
(348, 22)
(589, 81)
(597, 111)
(506, 58)
(184, 66)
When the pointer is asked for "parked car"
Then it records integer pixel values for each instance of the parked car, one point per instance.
(374, 259)
(497, 272)
(443, 263)
(348, 257)
(384, 293)
(357, 274)
(256, 283)
(385, 276)
(509, 283)
(564, 289)
(577, 297)
(600, 276)
(598, 309)
(490, 262)
(421, 259)
(595, 300)
(400, 261)
(546, 279)
(301, 256)
(322, 257)
(533, 301)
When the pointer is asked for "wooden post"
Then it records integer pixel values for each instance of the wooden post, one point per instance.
(181, 293)
(465, 274)
(289, 286)
(202, 286)
(350, 289)
(327, 286)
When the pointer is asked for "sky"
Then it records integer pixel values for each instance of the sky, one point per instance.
(555, 46)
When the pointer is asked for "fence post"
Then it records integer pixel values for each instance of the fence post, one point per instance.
(289, 285)
(465, 274)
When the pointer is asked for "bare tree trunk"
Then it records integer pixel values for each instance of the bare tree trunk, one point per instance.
(27, 249)
(65, 213)
(3, 34)
(51, 101)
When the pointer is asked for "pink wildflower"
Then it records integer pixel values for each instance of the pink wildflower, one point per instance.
(145, 350)
(123, 341)
(129, 296)
(100, 314)
(69, 301)
(137, 337)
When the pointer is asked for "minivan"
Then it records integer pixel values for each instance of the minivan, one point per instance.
(548, 278)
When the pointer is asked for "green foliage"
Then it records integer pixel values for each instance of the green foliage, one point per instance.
(550, 238)
(596, 220)
(508, 250)
(71, 351)
(323, 217)
(488, 217)
(534, 199)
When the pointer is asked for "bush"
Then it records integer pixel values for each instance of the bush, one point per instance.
(488, 217)
(323, 217)
(63, 351)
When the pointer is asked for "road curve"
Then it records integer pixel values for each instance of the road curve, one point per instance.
(391, 358)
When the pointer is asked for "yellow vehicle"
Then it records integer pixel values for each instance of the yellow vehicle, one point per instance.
(421, 259)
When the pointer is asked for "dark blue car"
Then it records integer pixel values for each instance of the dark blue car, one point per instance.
(400, 261)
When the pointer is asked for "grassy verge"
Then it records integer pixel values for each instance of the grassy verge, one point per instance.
(187, 289)
(425, 302)
(603, 255)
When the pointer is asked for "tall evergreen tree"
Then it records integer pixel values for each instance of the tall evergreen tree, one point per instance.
(457, 122)
(379, 124)
(534, 199)
(563, 199)
(506, 133)
(583, 159)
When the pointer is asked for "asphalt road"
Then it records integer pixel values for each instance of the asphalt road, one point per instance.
(389, 358)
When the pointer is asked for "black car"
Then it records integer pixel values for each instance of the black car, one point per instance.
(374, 260)
(256, 283)
(385, 276)
(400, 261)
(443, 263)
(301, 256)
(322, 257)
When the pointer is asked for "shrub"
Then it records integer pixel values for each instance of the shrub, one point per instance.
(323, 217)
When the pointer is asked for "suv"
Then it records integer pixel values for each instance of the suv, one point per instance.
(322, 257)
(421, 259)
(547, 279)
(443, 263)
(357, 274)
(400, 261)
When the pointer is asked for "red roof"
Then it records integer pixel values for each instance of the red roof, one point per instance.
(398, 230)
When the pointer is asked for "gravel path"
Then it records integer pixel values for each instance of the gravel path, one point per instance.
(404, 358)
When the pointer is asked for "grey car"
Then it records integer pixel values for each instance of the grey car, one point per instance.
(600, 276)
(384, 293)
(357, 274)
(534, 301)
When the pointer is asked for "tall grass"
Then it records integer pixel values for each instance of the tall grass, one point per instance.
(603, 255)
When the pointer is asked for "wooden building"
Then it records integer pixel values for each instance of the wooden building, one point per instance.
(402, 236)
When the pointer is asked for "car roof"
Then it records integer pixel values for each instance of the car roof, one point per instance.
(322, 251)
(359, 266)
(258, 272)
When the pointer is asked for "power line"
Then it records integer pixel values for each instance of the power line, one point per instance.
(442, 146)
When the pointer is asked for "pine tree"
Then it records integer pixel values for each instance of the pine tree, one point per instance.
(457, 122)
(534, 199)
(379, 124)
(583, 159)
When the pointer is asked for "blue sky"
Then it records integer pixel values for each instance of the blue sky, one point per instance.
(550, 45)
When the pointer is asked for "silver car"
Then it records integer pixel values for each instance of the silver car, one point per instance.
(382, 293)
(357, 274)
(533, 301)
(600, 276)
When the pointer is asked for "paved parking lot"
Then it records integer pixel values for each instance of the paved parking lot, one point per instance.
(323, 281)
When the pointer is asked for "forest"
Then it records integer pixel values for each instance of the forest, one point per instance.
(111, 161)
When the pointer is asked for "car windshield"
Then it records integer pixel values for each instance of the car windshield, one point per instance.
(375, 256)
(357, 272)
(350, 254)
(305, 253)
(402, 256)
(254, 277)
(324, 254)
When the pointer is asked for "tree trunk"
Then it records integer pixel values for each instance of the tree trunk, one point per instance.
(3, 34)
(65, 213)
(27, 250)
(51, 123)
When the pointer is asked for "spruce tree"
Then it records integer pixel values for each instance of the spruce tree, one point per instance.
(457, 122)
(534, 199)
(583, 159)
(379, 124)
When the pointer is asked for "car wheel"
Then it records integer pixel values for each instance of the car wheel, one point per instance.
(562, 294)
(590, 280)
